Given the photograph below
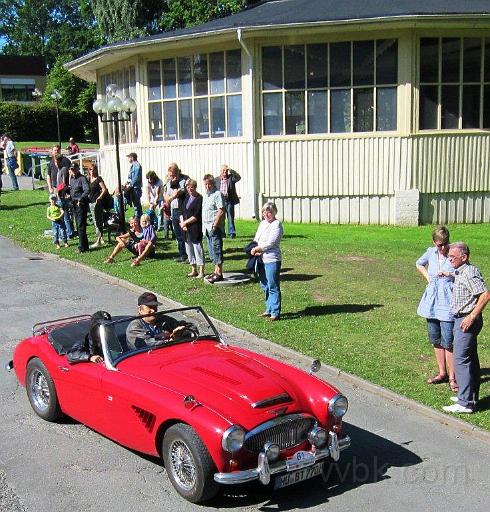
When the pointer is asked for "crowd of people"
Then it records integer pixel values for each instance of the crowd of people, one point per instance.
(452, 305)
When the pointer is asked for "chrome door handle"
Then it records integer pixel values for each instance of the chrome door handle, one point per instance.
(63, 368)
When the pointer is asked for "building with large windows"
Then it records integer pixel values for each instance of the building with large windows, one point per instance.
(352, 111)
(19, 76)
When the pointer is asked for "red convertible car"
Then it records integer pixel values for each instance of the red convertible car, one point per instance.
(216, 414)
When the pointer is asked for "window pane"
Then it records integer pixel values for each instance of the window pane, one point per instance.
(386, 109)
(295, 113)
(428, 107)
(218, 117)
(450, 59)
(317, 65)
(234, 116)
(486, 109)
(234, 71)
(154, 82)
(170, 120)
(471, 106)
(156, 132)
(201, 115)
(363, 109)
(363, 62)
(340, 119)
(429, 59)
(271, 67)
(340, 64)
(185, 119)
(471, 59)
(317, 112)
(294, 67)
(487, 60)
(217, 72)
(169, 79)
(184, 74)
(449, 106)
(386, 61)
(273, 114)
(200, 74)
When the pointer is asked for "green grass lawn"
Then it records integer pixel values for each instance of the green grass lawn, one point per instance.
(350, 293)
(50, 144)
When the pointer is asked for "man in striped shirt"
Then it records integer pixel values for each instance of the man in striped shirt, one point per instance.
(470, 296)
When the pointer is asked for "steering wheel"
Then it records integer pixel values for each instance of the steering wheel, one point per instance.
(189, 331)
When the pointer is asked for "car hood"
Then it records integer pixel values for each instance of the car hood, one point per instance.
(238, 386)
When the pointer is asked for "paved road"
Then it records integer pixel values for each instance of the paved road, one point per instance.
(402, 457)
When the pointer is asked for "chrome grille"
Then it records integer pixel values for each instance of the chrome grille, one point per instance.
(286, 432)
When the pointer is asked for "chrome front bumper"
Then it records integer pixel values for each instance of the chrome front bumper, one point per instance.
(264, 470)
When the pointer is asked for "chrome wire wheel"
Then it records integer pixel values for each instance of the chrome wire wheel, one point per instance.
(40, 390)
(182, 465)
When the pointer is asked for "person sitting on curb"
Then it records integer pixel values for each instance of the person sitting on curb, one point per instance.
(128, 240)
(146, 246)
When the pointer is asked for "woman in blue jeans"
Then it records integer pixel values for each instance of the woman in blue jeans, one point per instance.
(435, 305)
(268, 238)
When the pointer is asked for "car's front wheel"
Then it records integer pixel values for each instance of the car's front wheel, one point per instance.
(41, 391)
(189, 464)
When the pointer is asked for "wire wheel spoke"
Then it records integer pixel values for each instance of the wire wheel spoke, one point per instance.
(183, 465)
(40, 390)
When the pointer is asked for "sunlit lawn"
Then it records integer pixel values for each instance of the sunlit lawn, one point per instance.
(350, 293)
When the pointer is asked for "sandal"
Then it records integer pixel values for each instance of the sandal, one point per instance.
(437, 379)
(453, 385)
(135, 263)
(192, 274)
(109, 260)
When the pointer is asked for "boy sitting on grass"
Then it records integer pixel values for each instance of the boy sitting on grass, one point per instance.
(55, 215)
(146, 246)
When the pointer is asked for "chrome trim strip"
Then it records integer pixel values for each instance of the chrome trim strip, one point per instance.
(273, 400)
(262, 472)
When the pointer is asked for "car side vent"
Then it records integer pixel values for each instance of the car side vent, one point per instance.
(147, 418)
(283, 398)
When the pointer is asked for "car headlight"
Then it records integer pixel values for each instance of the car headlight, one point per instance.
(272, 451)
(318, 437)
(233, 438)
(338, 405)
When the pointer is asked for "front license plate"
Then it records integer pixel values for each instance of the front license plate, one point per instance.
(298, 476)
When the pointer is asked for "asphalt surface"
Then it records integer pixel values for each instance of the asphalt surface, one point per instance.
(403, 456)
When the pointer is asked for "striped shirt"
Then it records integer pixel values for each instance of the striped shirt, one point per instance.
(468, 286)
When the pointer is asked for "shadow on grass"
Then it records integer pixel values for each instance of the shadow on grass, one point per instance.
(483, 404)
(355, 469)
(299, 277)
(10, 207)
(330, 309)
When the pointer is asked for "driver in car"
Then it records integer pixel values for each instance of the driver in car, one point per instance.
(152, 329)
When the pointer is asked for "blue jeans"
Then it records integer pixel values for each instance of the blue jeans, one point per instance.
(230, 216)
(66, 205)
(59, 231)
(440, 333)
(466, 362)
(11, 166)
(269, 282)
(215, 245)
(179, 235)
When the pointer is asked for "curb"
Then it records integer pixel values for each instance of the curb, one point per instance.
(259, 343)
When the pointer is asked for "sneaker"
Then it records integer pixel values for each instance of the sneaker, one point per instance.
(458, 409)
(453, 399)
(95, 245)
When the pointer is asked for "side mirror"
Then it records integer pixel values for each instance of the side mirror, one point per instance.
(315, 366)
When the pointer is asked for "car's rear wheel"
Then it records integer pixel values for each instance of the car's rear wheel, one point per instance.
(41, 391)
(189, 464)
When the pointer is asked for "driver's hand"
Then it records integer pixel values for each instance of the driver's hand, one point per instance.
(164, 335)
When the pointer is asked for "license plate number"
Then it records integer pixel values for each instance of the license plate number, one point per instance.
(298, 476)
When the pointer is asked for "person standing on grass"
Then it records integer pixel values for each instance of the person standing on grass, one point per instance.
(62, 180)
(11, 160)
(435, 305)
(470, 296)
(55, 215)
(135, 183)
(52, 169)
(225, 182)
(213, 226)
(98, 192)
(79, 190)
(73, 148)
(268, 238)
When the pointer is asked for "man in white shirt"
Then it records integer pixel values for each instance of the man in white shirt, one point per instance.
(11, 160)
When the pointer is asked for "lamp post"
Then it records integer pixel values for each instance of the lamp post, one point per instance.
(36, 93)
(117, 111)
(56, 96)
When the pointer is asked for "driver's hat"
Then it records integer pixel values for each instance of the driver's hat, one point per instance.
(148, 299)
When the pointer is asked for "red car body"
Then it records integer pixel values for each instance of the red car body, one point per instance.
(203, 384)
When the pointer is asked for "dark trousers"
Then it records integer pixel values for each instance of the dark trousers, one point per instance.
(466, 362)
(179, 235)
(230, 217)
(80, 210)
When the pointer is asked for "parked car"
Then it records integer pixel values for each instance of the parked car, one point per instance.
(217, 414)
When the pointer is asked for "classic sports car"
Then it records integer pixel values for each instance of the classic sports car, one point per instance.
(216, 414)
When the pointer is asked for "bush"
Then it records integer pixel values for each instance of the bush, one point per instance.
(38, 122)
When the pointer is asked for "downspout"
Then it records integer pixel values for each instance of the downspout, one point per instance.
(252, 153)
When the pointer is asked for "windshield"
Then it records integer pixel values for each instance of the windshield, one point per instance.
(126, 336)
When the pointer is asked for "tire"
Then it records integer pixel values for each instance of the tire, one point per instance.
(189, 466)
(41, 391)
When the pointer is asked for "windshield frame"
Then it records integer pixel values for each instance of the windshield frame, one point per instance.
(111, 363)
